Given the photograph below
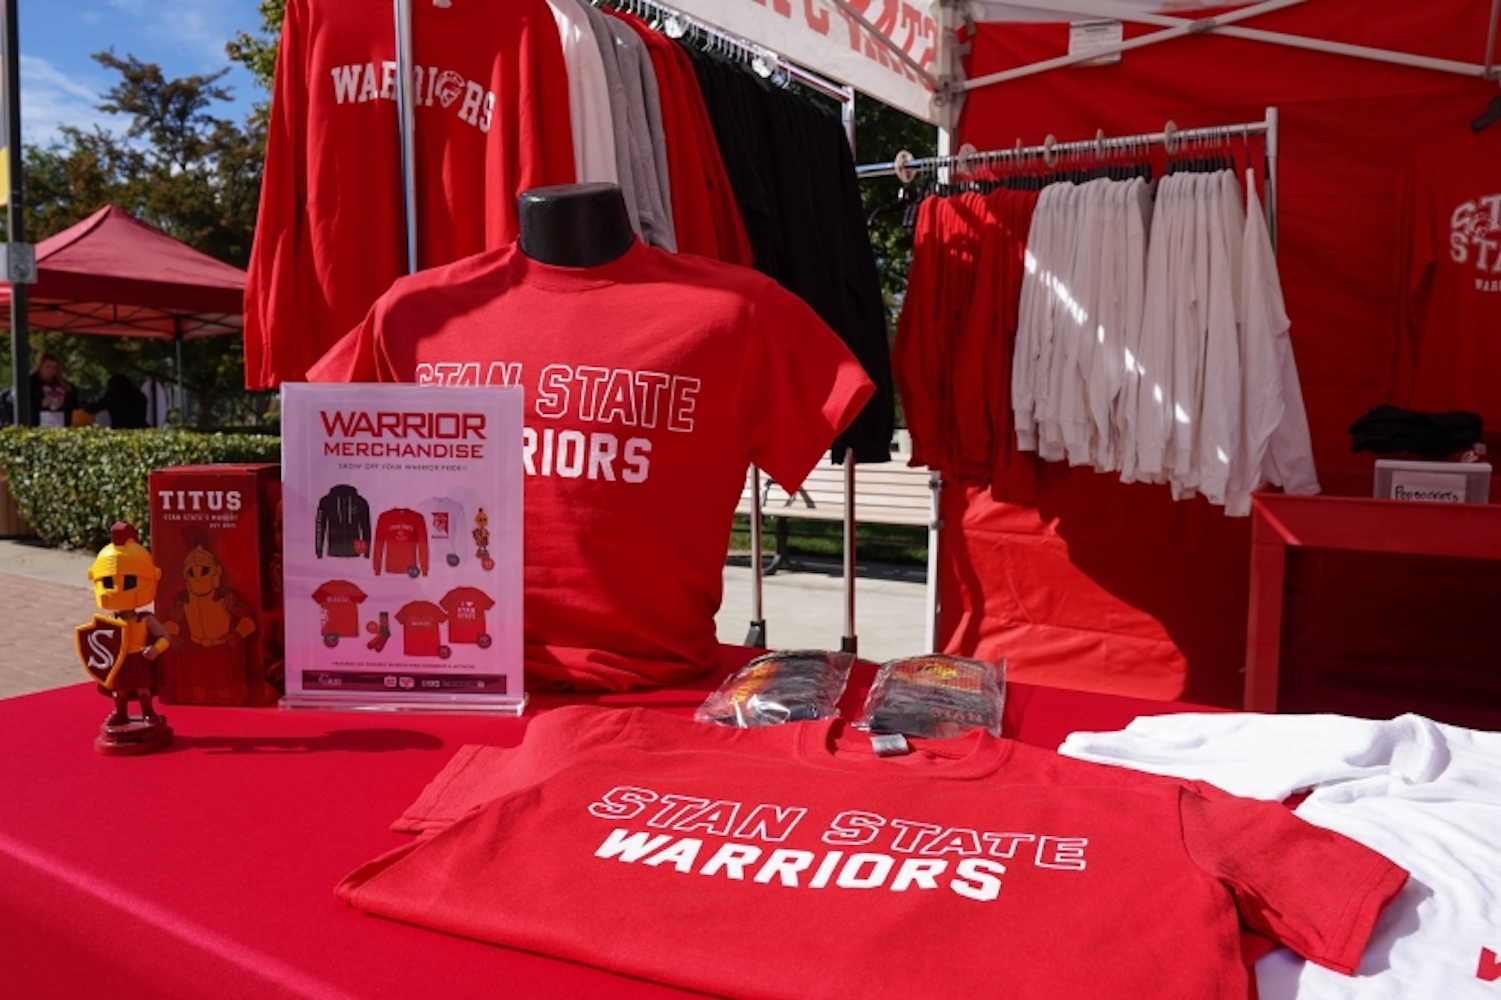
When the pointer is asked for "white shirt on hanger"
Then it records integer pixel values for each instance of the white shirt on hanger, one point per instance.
(1154, 410)
(1424, 794)
(1289, 454)
(1027, 353)
(1220, 415)
(588, 96)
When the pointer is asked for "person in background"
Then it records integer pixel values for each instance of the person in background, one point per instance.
(157, 404)
(53, 399)
(122, 402)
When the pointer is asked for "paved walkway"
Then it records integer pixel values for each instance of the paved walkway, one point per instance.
(45, 595)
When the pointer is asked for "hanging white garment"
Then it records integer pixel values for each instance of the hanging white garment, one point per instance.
(1027, 353)
(1190, 324)
(1275, 439)
(1220, 414)
(588, 95)
(1154, 410)
(1424, 794)
(1064, 319)
(1087, 284)
(1139, 223)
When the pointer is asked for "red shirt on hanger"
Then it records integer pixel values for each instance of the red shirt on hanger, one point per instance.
(704, 212)
(490, 97)
(1449, 292)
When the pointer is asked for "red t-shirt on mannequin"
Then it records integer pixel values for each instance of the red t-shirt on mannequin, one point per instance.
(652, 382)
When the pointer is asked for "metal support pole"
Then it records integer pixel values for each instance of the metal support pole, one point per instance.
(847, 117)
(20, 348)
(851, 641)
(1271, 175)
(182, 399)
(406, 109)
(935, 525)
(756, 637)
(1491, 73)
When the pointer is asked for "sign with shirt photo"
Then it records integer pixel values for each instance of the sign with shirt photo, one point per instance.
(403, 515)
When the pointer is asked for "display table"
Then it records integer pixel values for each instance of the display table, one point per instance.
(1353, 524)
(208, 870)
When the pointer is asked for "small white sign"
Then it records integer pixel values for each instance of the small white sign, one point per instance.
(1088, 37)
(1432, 482)
(1428, 487)
(402, 547)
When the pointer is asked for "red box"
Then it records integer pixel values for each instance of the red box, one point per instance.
(216, 536)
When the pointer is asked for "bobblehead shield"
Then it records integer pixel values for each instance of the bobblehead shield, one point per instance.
(119, 648)
(402, 556)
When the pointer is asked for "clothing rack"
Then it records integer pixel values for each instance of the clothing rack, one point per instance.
(905, 167)
(1051, 153)
(675, 24)
(766, 63)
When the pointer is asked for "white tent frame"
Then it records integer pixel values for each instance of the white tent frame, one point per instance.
(1223, 24)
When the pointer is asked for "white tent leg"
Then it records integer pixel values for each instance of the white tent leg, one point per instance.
(934, 596)
(407, 121)
(851, 642)
(756, 637)
(1491, 72)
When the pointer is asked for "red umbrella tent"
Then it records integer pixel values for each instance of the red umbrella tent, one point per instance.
(114, 275)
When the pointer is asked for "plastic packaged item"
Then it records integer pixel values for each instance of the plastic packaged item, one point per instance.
(777, 688)
(935, 697)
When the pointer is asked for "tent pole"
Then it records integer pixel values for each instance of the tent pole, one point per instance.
(1271, 175)
(182, 399)
(1180, 29)
(756, 637)
(20, 347)
(1490, 43)
(1222, 25)
(935, 528)
(407, 122)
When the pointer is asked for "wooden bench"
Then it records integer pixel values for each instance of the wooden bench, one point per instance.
(893, 493)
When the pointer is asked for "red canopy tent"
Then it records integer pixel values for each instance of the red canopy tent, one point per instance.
(113, 275)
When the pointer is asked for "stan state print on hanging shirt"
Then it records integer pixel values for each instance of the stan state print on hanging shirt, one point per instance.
(1449, 232)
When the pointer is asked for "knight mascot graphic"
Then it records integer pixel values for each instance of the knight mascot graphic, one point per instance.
(118, 649)
(208, 625)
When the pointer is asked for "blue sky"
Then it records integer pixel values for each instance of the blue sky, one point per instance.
(60, 84)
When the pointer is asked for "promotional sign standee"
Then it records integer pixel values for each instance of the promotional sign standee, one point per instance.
(402, 528)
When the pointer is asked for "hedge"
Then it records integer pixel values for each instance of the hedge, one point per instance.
(71, 484)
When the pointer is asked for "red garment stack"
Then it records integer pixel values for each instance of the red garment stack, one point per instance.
(490, 96)
(954, 341)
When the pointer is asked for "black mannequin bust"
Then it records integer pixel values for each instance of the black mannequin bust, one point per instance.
(575, 225)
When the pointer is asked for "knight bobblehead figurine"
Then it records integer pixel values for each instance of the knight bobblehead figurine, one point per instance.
(118, 647)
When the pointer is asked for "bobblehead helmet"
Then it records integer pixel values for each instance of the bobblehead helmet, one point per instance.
(123, 574)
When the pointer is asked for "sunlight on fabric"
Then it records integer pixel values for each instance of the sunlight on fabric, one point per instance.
(1179, 415)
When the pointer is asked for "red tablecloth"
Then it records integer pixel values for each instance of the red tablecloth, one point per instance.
(208, 870)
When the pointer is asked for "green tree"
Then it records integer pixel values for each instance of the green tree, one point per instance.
(177, 166)
(256, 51)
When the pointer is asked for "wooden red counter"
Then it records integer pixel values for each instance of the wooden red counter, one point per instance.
(1468, 532)
(208, 870)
